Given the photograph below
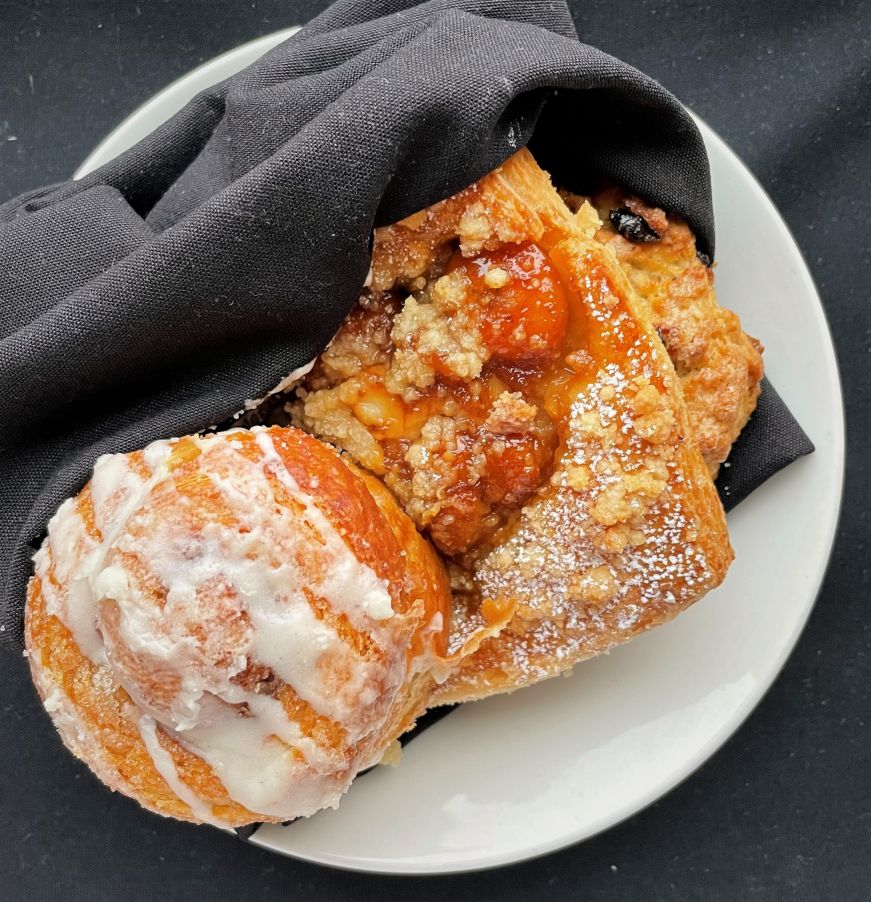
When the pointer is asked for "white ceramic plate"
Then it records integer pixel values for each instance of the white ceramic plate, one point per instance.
(513, 777)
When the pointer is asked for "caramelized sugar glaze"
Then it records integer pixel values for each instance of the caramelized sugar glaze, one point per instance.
(463, 402)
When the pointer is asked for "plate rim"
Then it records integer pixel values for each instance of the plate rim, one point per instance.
(119, 138)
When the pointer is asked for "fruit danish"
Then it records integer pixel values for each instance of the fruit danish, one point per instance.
(227, 628)
(503, 378)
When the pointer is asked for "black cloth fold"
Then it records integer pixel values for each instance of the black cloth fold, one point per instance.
(156, 295)
(771, 440)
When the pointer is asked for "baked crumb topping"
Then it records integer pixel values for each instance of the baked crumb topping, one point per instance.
(444, 390)
(720, 367)
(502, 378)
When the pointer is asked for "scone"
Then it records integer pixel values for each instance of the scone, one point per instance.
(502, 377)
(227, 628)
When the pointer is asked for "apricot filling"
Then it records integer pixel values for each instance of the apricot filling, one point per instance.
(453, 389)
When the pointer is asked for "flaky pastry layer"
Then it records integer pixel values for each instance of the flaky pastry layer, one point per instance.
(227, 628)
(504, 379)
(719, 365)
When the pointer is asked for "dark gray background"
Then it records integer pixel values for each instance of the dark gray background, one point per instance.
(784, 810)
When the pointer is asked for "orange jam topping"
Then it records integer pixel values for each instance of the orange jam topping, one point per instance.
(525, 309)
(465, 392)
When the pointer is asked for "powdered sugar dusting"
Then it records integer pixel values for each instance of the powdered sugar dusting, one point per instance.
(608, 548)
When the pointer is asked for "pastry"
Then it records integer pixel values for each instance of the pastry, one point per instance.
(503, 378)
(719, 366)
(227, 628)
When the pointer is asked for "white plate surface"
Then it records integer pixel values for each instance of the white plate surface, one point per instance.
(512, 777)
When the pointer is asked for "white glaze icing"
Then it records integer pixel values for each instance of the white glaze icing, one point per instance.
(165, 765)
(352, 587)
(262, 560)
(253, 758)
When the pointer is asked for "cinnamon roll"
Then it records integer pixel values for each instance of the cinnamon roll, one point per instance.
(227, 628)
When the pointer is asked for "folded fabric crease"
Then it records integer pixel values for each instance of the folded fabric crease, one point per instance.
(159, 293)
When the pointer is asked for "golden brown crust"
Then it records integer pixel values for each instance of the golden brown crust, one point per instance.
(622, 527)
(96, 721)
(185, 509)
(504, 377)
(627, 534)
(719, 366)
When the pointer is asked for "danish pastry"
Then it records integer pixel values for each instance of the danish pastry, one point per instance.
(227, 628)
(719, 366)
(503, 378)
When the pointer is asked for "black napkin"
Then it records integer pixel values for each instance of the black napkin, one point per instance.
(155, 296)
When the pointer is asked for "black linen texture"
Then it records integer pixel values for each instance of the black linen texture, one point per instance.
(155, 296)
